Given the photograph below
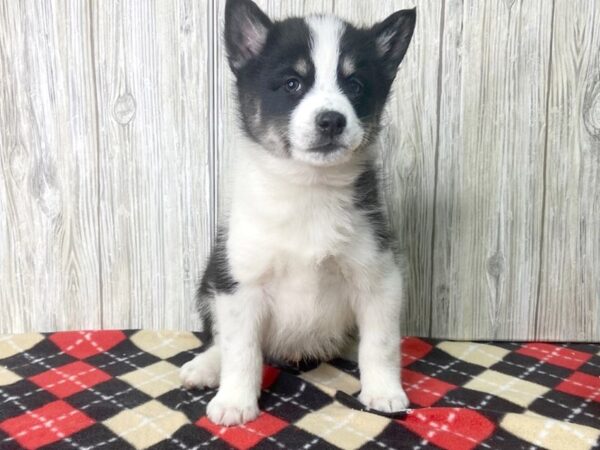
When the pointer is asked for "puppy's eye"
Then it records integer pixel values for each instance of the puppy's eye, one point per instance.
(293, 85)
(354, 86)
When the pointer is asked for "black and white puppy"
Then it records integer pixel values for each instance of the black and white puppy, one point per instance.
(306, 254)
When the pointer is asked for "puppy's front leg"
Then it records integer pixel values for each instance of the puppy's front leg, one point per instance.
(239, 318)
(378, 317)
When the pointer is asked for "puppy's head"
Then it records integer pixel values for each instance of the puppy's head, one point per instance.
(313, 89)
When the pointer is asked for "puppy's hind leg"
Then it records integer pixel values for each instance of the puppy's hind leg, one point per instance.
(204, 370)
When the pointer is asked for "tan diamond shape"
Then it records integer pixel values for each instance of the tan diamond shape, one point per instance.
(344, 427)
(7, 377)
(481, 354)
(548, 433)
(515, 390)
(165, 344)
(154, 380)
(146, 424)
(17, 343)
(331, 379)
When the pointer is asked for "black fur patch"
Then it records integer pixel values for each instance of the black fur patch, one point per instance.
(374, 71)
(358, 45)
(366, 198)
(217, 279)
(264, 101)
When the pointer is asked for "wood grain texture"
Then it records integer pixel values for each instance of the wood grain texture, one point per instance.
(118, 129)
(154, 208)
(489, 190)
(407, 147)
(49, 271)
(569, 298)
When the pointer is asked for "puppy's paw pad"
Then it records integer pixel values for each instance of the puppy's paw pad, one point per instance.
(199, 372)
(229, 411)
(385, 402)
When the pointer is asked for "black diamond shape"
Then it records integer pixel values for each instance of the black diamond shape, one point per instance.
(107, 399)
(40, 358)
(97, 435)
(442, 366)
(591, 367)
(22, 396)
(519, 366)
(191, 402)
(501, 438)
(291, 398)
(349, 367)
(191, 436)
(293, 437)
(394, 435)
(592, 349)
(7, 442)
(181, 358)
(123, 358)
(469, 398)
(559, 405)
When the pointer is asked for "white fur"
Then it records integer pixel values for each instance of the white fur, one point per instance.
(309, 268)
(325, 95)
(204, 370)
(306, 259)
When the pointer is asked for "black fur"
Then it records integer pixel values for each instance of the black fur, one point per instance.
(400, 26)
(245, 26)
(358, 45)
(261, 80)
(217, 279)
(374, 71)
(366, 198)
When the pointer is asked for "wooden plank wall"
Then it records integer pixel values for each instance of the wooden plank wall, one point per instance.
(118, 131)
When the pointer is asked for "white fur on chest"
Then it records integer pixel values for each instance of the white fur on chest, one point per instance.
(300, 243)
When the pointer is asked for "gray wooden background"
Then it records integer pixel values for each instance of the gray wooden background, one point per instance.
(117, 122)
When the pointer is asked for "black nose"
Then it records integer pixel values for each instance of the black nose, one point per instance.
(331, 123)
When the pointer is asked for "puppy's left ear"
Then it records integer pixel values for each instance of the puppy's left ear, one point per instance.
(246, 30)
(392, 37)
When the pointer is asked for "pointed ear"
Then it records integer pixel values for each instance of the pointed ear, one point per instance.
(246, 29)
(392, 37)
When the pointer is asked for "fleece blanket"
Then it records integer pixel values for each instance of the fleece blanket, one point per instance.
(120, 390)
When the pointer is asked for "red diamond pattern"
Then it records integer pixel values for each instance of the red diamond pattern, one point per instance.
(69, 379)
(450, 428)
(42, 426)
(76, 403)
(248, 435)
(423, 390)
(414, 349)
(270, 374)
(555, 354)
(82, 344)
(582, 385)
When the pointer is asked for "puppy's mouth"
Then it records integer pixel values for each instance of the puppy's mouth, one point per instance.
(326, 147)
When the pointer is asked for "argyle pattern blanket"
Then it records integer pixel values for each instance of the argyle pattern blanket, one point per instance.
(120, 390)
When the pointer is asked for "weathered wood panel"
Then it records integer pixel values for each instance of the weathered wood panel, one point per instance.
(49, 271)
(155, 200)
(408, 144)
(489, 187)
(569, 299)
(118, 130)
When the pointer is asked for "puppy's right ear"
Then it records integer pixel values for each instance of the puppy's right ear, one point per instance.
(246, 30)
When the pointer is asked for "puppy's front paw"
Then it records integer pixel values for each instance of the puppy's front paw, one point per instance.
(232, 408)
(389, 401)
(202, 371)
